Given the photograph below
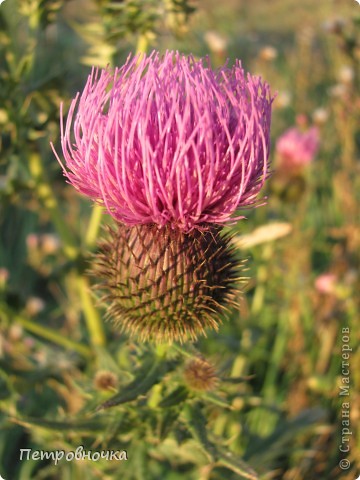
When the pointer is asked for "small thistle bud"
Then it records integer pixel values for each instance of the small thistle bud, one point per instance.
(166, 285)
(50, 243)
(105, 380)
(15, 333)
(320, 116)
(34, 306)
(200, 375)
(215, 41)
(268, 53)
(32, 241)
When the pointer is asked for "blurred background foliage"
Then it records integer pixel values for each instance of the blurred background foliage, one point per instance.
(269, 398)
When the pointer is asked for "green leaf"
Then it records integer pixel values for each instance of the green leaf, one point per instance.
(177, 396)
(216, 400)
(228, 460)
(196, 424)
(167, 422)
(264, 450)
(145, 379)
(237, 380)
(91, 424)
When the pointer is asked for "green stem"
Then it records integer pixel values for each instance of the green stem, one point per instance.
(93, 320)
(48, 334)
(92, 317)
(142, 44)
(188, 351)
(161, 350)
(94, 225)
(259, 295)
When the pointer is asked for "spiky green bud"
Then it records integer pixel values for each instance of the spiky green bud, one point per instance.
(165, 285)
(200, 375)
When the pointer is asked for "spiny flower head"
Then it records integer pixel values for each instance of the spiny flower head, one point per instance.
(105, 380)
(296, 148)
(200, 375)
(166, 140)
(167, 285)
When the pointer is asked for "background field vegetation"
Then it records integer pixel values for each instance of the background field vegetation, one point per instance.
(275, 408)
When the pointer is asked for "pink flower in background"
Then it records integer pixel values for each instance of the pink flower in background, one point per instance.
(296, 148)
(326, 283)
(167, 140)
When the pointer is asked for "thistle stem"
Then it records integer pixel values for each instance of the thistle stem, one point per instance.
(188, 352)
(92, 317)
(94, 225)
(161, 350)
(142, 44)
(93, 320)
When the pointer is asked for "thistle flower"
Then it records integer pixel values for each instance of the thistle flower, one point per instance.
(296, 148)
(166, 140)
(34, 306)
(172, 149)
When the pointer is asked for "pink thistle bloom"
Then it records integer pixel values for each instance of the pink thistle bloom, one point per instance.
(326, 283)
(296, 148)
(167, 140)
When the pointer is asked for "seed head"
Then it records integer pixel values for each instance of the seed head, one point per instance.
(167, 140)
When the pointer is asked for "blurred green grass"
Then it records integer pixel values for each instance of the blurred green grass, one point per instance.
(283, 416)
